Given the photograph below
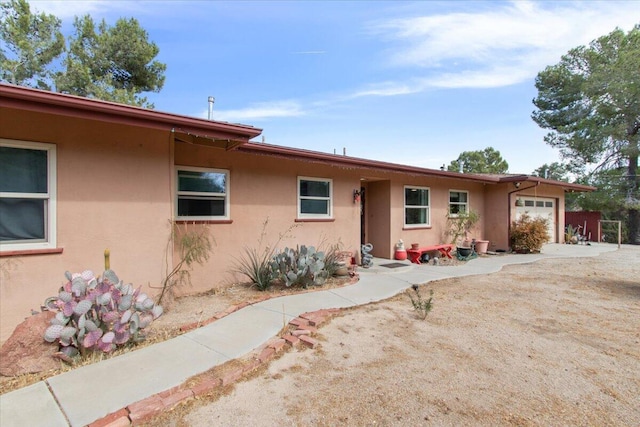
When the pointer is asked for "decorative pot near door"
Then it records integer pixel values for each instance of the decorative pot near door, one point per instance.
(482, 246)
(401, 252)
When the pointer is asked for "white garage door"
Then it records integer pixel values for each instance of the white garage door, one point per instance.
(539, 207)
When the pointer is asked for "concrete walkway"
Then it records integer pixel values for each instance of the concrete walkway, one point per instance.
(83, 395)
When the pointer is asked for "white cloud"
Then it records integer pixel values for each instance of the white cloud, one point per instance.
(506, 44)
(386, 89)
(259, 111)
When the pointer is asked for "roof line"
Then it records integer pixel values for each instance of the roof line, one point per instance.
(50, 102)
(75, 106)
(298, 153)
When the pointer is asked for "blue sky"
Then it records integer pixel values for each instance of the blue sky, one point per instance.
(415, 83)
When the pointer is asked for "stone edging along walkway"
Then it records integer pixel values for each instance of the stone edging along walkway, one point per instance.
(298, 331)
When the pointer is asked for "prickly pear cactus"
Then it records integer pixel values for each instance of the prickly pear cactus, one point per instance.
(302, 266)
(98, 314)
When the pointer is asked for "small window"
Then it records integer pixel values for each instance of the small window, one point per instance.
(202, 193)
(27, 195)
(416, 207)
(539, 204)
(458, 202)
(314, 198)
(528, 203)
(548, 204)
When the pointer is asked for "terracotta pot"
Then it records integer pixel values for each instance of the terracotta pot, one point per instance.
(415, 246)
(482, 246)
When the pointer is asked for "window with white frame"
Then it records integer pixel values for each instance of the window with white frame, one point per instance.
(27, 195)
(458, 202)
(416, 206)
(315, 197)
(203, 194)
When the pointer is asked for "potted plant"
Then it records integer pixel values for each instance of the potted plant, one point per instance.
(458, 228)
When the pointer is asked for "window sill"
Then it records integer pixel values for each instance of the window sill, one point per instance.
(31, 252)
(314, 220)
(421, 227)
(203, 221)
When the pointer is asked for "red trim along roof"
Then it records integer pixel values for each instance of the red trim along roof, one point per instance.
(346, 161)
(74, 106)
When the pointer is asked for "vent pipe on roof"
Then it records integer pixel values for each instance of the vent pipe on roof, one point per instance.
(211, 101)
(461, 166)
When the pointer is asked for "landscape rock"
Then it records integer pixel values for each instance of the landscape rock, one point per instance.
(26, 351)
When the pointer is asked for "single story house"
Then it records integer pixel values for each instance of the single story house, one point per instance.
(78, 176)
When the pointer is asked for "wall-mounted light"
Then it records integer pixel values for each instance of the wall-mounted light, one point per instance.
(516, 184)
(356, 196)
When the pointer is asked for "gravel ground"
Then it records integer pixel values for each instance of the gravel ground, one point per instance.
(556, 342)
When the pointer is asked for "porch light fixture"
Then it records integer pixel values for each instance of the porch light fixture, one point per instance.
(356, 196)
(516, 184)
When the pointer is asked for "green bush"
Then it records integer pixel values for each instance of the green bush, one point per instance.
(529, 234)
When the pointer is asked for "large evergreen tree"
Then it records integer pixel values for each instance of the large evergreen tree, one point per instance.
(110, 63)
(488, 160)
(555, 170)
(590, 101)
(29, 42)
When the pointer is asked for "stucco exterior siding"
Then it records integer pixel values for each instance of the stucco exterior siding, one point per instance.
(113, 192)
(116, 178)
(264, 188)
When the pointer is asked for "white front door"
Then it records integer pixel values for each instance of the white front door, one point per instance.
(539, 207)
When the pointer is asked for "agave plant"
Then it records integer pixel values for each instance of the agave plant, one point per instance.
(98, 313)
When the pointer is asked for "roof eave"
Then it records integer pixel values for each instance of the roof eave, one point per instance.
(341, 160)
(75, 106)
(567, 186)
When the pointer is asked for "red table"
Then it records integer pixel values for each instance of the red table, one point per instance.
(415, 254)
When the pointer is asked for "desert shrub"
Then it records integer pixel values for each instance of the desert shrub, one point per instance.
(300, 266)
(460, 225)
(194, 246)
(256, 263)
(334, 258)
(422, 306)
(98, 313)
(529, 234)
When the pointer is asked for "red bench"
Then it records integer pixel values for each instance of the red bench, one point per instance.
(415, 254)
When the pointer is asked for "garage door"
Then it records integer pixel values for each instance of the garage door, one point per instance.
(539, 207)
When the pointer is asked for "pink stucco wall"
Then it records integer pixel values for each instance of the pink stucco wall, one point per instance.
(116, 190)
(263, 189)
(113, 192)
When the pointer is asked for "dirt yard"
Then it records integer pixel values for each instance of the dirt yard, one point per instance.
(556, 342)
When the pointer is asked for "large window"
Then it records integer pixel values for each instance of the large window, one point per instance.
(203, 194)
(416, 207)
(27, 195)
(458, 202)
(314, 198)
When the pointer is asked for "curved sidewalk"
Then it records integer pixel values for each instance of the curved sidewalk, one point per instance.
(89, 393)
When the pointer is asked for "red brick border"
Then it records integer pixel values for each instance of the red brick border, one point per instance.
(300, 330)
